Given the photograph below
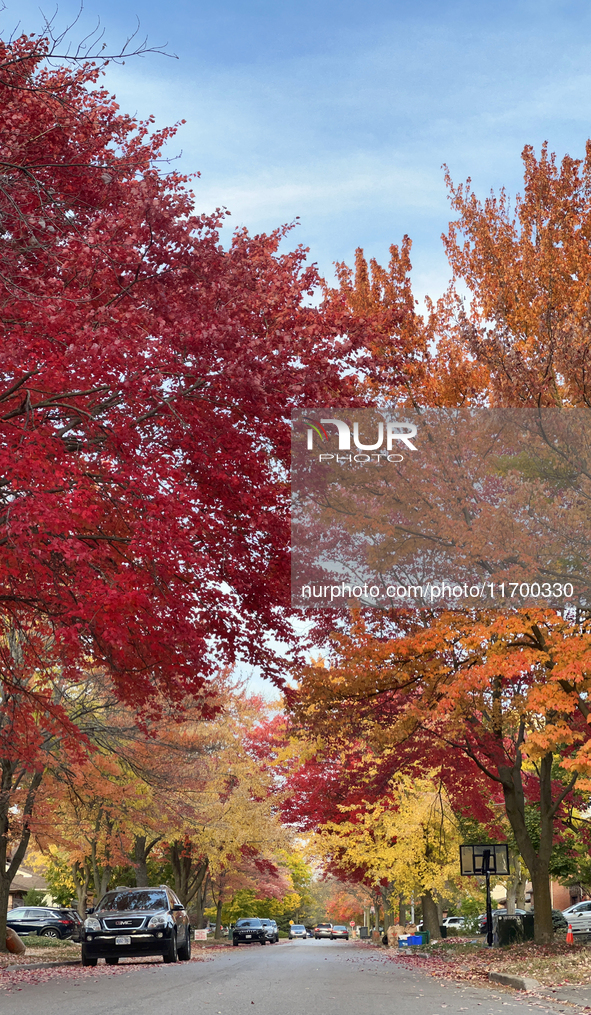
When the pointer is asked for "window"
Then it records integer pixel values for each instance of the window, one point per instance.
(123, 902)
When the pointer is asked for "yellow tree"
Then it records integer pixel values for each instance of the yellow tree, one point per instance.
(406, 842)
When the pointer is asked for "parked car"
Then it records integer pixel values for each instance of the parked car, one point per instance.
(339, 931)
(249, 930)
(77, 935)
(297, 930)
(134, 922)
(271, 929)
(455, 922)
(322, 930)
(579, 917)
(43, 920)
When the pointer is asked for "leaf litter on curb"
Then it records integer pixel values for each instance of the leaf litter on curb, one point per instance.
(554, 965)
(15, 979)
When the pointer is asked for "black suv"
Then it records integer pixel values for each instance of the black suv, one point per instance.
(134, 922)
(248, 931)
(42, 920)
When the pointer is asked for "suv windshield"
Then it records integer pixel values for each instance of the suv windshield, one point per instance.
(249, 923)
(123, 902)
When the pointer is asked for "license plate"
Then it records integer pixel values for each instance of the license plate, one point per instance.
(248, 937)
(123, 940)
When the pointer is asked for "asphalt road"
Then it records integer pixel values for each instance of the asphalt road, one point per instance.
(289, 978)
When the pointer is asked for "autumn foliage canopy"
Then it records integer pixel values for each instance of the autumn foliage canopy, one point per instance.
(146, 372)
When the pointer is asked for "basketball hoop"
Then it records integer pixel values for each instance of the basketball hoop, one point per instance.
(482, 860)
(477, 861)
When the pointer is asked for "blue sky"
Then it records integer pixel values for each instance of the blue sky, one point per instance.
(343, 113)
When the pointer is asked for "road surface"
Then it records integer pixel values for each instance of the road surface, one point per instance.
(289, 978)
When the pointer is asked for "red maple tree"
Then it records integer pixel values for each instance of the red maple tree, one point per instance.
(146, 373)
(146, 378)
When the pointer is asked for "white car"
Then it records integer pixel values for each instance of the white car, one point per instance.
(579, 917)
(456, 922)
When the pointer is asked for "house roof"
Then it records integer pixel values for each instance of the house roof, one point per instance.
(25, 879)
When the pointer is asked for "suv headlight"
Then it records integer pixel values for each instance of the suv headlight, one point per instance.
(91, 923)
(157, 921)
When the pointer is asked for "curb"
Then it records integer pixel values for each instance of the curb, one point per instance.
(41, 965)
(517, 982)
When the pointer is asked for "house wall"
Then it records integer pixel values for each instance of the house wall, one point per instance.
(563, 897)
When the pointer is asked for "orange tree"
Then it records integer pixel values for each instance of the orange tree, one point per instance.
(498, 699)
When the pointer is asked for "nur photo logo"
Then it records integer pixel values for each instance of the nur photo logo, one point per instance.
(387, 434)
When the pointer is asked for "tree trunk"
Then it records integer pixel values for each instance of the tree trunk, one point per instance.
(4, 892)
(401, 911)
(515, 868)
(188, 877)
(100, 875)
(140, 858)
(386, 904)
(8, 870)
(538, 861)
(430, 915)
(543, 926)
(141, 851)
(197, 907)
(515, 884)
(511, 904)
(520, 889)
(218, 919)
(81, 876)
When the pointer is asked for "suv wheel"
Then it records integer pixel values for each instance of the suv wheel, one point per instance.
(171, 955)
(235, 942)
(51, 932)
(88, 960)
(185, 950)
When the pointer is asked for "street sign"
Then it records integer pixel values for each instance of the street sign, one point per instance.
(291, 923)
(372, 909)
(351, 923)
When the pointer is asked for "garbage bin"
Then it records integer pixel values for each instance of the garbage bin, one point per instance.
(364, 932)
(510, 930)
(443, 931)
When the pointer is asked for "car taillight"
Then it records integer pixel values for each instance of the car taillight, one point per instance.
(67, 922)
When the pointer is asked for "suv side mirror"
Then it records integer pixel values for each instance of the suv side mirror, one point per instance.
(89, 910)
(177, 908)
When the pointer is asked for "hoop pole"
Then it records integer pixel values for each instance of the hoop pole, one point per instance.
(489, 928)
